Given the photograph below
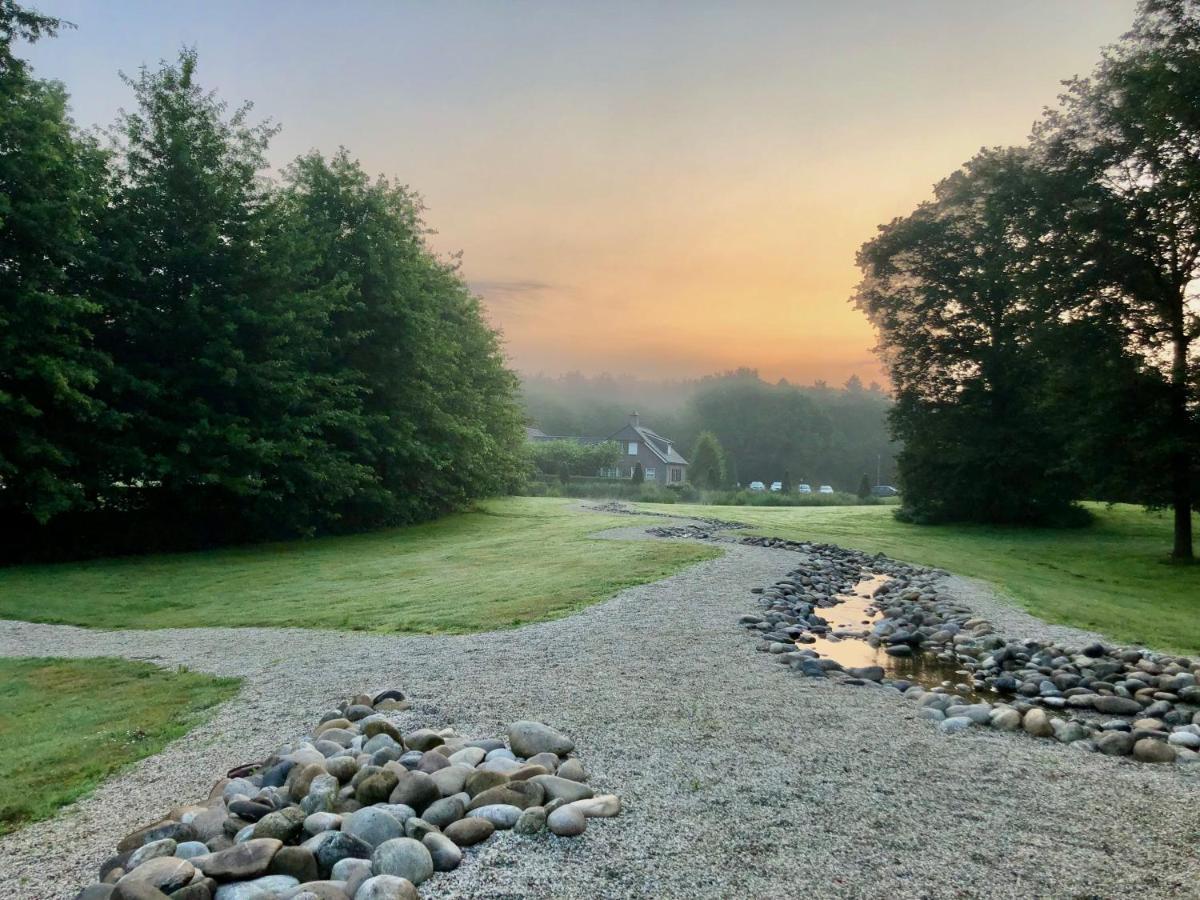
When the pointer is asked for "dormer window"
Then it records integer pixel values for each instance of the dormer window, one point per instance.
(633, 448)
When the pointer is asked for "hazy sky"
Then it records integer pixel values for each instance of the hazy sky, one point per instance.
(658, 188)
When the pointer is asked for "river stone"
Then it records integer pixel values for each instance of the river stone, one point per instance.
(444, 811)
(97, 892)
(515, 793)
(452, 780)
(403, 857)
(269, 887)
(1117, 706)
(191, 849)
(954, 725)
(557, 788)
(136, 890)
(572, 769)
(284, 825)
(468, 756)
(532, 821)
(381, 726)
(242, 861)
(603, 807)
(444, 852)
(373, 826)
(470, 831)
(480, 781)
(353, 872)
(531, 738)
(152, 850)
(432, 761)
(502, 815)
(376, 788)
(322, 821)
(1184, 739)
(386, 887)
(416, 828)
(1153, 751)
(1037, 723)
(1006, 719)
(566, 821)
(423, 739)
(167, 873)
(330, 847)
(177, 831)
(298, 862)
(343, 768)
(1115, 743)
(415, 789)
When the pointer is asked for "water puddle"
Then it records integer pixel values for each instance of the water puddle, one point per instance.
(850, 622)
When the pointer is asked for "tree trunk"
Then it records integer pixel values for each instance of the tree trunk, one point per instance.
(1181, 461)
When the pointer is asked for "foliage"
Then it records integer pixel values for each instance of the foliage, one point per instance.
(193, 354)
(1108, 577)
(864, 487)
(572, 457)
(57, 742)
(639, 473)
(706, 467)
(508, 562)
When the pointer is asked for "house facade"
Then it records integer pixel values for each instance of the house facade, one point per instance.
(661, 462)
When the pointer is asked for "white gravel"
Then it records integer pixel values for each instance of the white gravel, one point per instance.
(739, 778)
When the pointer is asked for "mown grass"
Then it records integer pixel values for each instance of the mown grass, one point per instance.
(66, 724)
(514, 560)
(1113, 576)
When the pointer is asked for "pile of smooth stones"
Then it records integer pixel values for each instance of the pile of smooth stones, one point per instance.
(356, 810)
(1120, 701)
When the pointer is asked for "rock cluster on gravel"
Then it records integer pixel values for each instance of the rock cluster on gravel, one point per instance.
(355, 810)
(1119, 701)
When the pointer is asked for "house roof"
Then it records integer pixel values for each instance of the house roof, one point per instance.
(660, 446)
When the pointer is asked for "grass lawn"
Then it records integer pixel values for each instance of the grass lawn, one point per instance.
(1113, 577)
(66, 724)
(515, 560)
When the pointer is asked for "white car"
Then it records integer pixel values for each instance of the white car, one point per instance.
(776, 487)
(757, 486)
(825, 489)
(804, 488)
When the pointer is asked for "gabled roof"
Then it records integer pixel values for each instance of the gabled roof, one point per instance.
(660, 446)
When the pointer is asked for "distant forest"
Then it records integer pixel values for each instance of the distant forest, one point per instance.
(770, 431)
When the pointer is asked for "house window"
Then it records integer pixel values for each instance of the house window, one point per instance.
(676, 475)
(632, 448)
(650, 474)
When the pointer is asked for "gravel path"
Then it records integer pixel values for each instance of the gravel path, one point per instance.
(738, 778)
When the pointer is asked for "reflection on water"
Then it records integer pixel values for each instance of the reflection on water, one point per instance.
(850, 622)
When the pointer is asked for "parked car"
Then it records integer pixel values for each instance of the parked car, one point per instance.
(884, 490)
(776, 487)
(825, 489)
(804, 488)
(757, 486)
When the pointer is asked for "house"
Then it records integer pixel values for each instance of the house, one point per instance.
(661, 462)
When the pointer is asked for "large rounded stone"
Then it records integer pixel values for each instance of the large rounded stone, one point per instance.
(330, 847)
(1037, 723)
(469, 832)
(1117, 706)
(1152, 751)
(444, 852)
(376, 788)
(242, 861)
(557, 788)
(269, 886)
(444, 811)
(516, 793)
(1115, 743)
(532, 821)
(423, 739)
(372, 825)
(166, 873)
(297, 862)
(603, 807)
(415, 789)
(502, 815)
(531, 738)
(284, 825)
(479, 781)
(403, 857)
(386, 887)
(566, 821)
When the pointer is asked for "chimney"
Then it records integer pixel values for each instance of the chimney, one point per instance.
(634, 419)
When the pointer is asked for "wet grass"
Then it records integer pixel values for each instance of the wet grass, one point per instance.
(67, 724)
(513, 561)
(1113, 576)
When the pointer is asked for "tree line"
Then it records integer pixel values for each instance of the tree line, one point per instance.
(1039, 316)
(764, 431)
(191, 352)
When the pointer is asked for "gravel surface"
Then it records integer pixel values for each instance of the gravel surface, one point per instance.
(737, 777)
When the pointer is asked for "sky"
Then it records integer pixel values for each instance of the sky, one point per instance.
(664, 189)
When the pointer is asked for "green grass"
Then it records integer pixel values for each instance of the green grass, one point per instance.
(1113, 577)
(65, 725)
(512, 561)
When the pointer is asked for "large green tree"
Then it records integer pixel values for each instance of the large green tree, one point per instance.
(1133, 131)
(707, 465)
(962, 303)
(50, 192)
